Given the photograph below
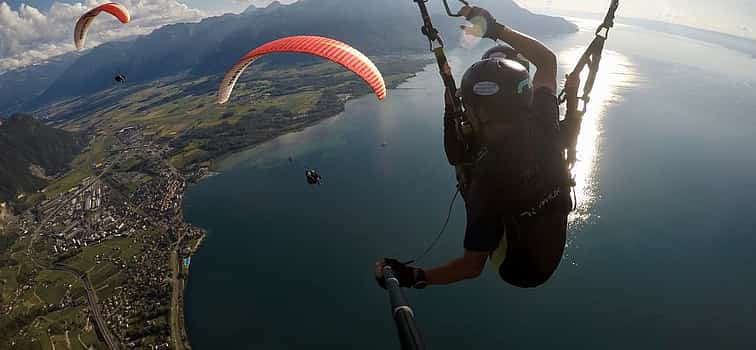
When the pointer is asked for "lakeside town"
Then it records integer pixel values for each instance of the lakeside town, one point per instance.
(121, 233)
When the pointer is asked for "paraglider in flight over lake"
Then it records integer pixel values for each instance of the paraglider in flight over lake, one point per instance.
(120, 78)
(86, 20)
(313, 178)
(329, 49)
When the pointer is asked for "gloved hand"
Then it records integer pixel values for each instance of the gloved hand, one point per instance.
(408, 276)
(484, 24)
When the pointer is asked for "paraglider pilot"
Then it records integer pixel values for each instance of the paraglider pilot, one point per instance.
(517, 196)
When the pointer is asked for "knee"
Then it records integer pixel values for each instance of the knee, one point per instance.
(530, 276)
(527, 280)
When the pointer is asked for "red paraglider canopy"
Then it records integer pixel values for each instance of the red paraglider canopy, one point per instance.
(117, 10)
(330, 49)
(85, 21)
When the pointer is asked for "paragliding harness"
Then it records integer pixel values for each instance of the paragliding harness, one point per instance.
(570, 125)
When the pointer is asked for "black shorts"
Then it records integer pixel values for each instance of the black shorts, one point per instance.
(532, 248)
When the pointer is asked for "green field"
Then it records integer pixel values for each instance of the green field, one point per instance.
(67, 182)
(43, 326)
(52, 285)
(63, 327)
(123, 247)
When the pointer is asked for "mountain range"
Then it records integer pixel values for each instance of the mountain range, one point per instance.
(212, 45)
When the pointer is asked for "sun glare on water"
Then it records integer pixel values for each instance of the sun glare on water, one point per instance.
(616, 73)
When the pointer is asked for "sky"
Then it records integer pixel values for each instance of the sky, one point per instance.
(32, 31)
(736, 17)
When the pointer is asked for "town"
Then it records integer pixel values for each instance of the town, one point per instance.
(120, 231)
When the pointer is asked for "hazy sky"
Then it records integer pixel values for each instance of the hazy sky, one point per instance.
(736, 17)
(33, 30)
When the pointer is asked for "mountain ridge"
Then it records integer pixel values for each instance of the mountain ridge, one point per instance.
(212, 45)
(33, 151)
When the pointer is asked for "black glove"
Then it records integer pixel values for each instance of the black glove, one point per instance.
(408, 276)
(480, 16)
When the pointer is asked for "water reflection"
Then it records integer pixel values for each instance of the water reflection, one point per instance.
(616, 73)
(293, 144)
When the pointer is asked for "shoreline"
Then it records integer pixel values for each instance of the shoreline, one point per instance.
(214, 170)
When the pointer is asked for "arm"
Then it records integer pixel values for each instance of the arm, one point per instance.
(536, 52)
(465, 267)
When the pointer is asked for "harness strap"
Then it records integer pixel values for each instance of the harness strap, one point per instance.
(463, 128)
(573, 118)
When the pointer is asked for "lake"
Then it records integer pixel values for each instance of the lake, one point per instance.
(660, 253)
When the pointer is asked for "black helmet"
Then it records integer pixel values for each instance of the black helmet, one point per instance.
(496, 87)
(506, 51)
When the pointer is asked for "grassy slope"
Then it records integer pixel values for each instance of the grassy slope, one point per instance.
(26, 141)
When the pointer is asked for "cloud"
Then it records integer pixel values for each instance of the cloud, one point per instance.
(29, 36)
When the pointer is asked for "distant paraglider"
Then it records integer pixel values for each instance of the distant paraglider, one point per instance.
(313, 178)
(85, 21)
(120, 78)
(329, 49)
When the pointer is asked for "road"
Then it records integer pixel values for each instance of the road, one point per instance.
(92, 299)
(177, 330)
(91, 294)
(178, 333)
